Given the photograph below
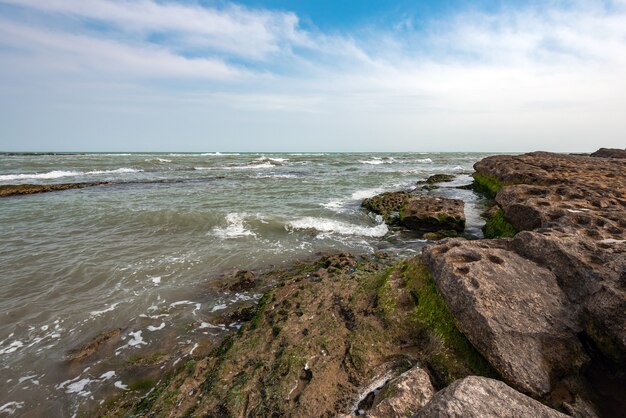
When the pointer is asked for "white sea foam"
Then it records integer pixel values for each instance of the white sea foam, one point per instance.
(10, 407)
(275, 159)
(218, 308)
(156, 280)
(366, 193)
(425, 161)
(235, 227)
(61, 173)
(107, 375)
(160, 327)
(137, 339)
(79, 387)
(120, 385)
(217, 154)
(14, 346)
(109, 309)
(338, 227)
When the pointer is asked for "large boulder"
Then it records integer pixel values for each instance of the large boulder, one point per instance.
(431, 214)
(480, 397)
(511, 309)
(404, 395)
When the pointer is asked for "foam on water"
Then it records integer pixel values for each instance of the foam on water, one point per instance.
(338, 227)
(62, 173)
(235, 227)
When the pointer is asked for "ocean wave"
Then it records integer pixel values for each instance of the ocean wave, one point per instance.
(234, 228)
(276, 160)
(275, 176)
(326, 225)
(60, 173)
(238, 167)
(425, 161)
(378, 160)
(161, 160)
(339, 204)
(218, 154)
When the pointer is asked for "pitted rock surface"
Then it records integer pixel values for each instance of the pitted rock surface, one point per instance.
(575, 207)
(431, 214)
(510, 308)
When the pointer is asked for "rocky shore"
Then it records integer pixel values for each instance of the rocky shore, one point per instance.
(527, 322)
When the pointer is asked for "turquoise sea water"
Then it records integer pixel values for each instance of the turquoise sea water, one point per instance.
(138, 254)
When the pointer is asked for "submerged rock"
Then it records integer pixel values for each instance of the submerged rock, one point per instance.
(511, 309)
(432, 214)
(438, 178)
(22, 189)
(91, 347)
(481, 397)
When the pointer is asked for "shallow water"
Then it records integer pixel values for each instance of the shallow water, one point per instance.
(137, 254)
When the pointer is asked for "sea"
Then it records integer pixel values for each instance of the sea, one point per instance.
(139, 254)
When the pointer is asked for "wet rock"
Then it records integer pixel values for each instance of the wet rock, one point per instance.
(91, 347)
(404, 395)
(432, 214)
(23, 189)
(387, 205)
(439, 178)
(243, 280)
(239, 314)
(481, 397)
(511, 309)
(610, 153)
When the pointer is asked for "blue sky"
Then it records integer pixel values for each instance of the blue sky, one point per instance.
(312, 75)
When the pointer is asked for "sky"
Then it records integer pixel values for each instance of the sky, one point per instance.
(312, 75)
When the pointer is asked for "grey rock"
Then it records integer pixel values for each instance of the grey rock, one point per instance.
(511, 309)
(480, 397)
(404, 395)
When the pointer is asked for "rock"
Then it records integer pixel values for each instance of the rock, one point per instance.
(431, 214)
(437, 178)
(511, 309)
(387, 204)
(605, 322)
(610, 153)
(244, 280)
(239, 314)
(90, 348)
(436, 236)
(575, 207)
(404, 395)
(21, 189)
(481, 397)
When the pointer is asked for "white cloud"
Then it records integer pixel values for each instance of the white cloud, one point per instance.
(534, 75)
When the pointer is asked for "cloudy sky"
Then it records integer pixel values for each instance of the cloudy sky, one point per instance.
(312, 75)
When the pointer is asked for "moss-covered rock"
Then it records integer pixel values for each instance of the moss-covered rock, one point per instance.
(432, 214)
(387, 205)
(498, 227)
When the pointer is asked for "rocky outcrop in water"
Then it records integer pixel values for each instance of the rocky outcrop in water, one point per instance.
(24, 189)
(419, 213)
(432, 214)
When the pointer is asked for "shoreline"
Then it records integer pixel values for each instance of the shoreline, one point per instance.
(319, 359)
